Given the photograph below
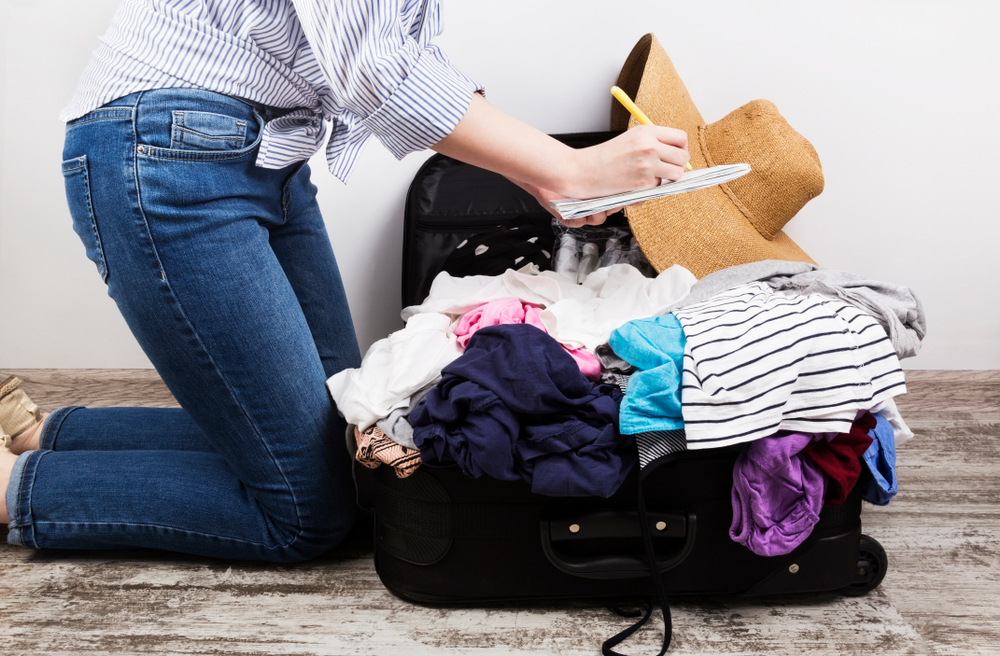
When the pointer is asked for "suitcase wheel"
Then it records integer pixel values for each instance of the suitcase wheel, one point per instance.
(872, 564)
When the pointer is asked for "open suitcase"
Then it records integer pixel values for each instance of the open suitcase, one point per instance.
(442, 537)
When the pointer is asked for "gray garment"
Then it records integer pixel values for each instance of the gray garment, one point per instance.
(610, 362)
(618, 380)
(723, 279)
(896, 308)
(397, 425)
(614, 370)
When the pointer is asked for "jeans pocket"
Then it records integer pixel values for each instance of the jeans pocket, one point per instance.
(77, 177)
(206, 131)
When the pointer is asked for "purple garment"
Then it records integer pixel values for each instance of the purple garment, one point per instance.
(777, 494)
(515, 406)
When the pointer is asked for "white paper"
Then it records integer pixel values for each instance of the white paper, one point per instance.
(571, 208)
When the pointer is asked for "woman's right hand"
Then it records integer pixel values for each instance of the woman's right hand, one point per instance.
(637, 159)
(545, 196)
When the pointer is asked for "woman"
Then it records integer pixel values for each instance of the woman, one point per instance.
(186, 176)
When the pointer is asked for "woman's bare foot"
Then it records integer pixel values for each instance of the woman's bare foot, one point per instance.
(6, 466)
(29, 440)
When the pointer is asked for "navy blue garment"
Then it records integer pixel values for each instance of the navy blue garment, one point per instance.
(515, 406)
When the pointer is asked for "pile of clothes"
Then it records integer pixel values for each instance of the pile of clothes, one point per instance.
(531, 375)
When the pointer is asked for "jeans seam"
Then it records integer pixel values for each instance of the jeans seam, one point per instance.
(190, 327)
(138, 191)
(190, 156)
(106, 114)
(165, 528)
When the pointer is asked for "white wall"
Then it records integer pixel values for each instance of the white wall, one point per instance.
(900, 99)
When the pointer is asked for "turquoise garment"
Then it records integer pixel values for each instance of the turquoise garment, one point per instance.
(653, 398)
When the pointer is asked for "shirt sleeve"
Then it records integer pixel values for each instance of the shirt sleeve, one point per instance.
(382, 68)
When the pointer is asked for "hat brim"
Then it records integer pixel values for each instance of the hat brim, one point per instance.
(703, 231)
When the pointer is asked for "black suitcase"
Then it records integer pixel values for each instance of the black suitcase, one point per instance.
(442, 537)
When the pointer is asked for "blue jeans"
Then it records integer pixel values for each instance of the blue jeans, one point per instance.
(225, 275)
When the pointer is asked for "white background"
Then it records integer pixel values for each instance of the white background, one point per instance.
(900, 99)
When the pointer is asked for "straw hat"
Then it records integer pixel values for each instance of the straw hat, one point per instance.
(732, 223)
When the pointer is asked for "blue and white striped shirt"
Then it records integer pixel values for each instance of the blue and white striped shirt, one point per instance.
(365, 65)
(757, 361)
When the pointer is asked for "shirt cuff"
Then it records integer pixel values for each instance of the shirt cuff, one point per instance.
(425, 108)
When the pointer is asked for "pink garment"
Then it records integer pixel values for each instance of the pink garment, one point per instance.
(589, 365)
(512, 310)
(495, 313)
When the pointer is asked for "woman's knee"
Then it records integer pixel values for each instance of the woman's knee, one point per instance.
(314, 535)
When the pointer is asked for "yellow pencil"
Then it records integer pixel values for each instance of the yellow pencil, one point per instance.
(635, 111)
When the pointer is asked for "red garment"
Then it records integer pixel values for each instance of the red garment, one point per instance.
(838, 458)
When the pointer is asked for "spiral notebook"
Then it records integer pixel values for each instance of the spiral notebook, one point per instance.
(571, 208)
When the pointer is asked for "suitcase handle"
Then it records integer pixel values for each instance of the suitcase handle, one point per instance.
(610, 524)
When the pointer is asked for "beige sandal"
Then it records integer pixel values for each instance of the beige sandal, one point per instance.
(17, 412)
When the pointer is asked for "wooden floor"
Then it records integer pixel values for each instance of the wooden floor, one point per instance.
(941, 594)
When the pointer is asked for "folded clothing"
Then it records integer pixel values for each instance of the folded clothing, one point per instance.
(395, 368)
(653, 400)
(576, 315)
(757, 362)
(397, 425)
(515, 406)
(838, 458)
(896, 308)
(375, 448)
(781, 482)
(887, 409)
(777, 494)
(880, 459)
(611, 362)
(511, 310)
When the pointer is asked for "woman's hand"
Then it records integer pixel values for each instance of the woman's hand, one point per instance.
(543, 196)
(641, 158)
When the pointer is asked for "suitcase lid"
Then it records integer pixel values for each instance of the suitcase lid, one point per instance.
(449, 201)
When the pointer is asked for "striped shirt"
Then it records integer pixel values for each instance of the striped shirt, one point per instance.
(758, 361)
(366, 66)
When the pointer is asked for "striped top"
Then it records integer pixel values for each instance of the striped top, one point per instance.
(758, 361)
(366, 66)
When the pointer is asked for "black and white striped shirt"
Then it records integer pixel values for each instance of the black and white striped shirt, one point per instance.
(365, 65)
(758, 361)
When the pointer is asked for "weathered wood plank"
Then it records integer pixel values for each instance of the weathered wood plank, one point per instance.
(950, 390)
(96, 388)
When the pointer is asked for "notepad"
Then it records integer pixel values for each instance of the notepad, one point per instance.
(571, 208)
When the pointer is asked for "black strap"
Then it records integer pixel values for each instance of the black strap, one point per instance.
(661, 593)
(616, 640)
